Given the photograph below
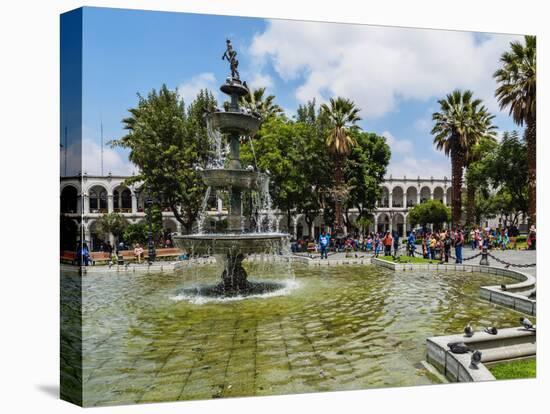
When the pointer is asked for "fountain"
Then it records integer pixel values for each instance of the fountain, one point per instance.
(233, 246)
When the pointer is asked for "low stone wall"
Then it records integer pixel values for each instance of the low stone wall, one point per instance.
(157, 267)
(494, 294)
(508, 344)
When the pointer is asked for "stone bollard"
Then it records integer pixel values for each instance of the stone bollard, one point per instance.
(484, 257)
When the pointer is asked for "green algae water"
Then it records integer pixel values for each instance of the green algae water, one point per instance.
(331, 328)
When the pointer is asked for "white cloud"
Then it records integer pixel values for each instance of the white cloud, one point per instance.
(379, 66)
(259, 80)
(113, 161)
(189, 90)
(398, 146)
(415, 167)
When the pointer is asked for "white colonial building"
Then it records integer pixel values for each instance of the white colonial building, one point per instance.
(84, 199)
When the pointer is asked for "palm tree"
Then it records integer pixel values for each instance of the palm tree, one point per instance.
(460, 124)
(342, 115)
(517, 90)
(256, 101)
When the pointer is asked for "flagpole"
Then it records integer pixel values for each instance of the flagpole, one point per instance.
(102, 147)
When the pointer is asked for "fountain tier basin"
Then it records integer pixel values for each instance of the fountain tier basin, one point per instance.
(232, 243)
(235, 122)
(226, 178)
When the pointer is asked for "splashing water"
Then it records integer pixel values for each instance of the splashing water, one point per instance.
(215, 138)
(202, 212)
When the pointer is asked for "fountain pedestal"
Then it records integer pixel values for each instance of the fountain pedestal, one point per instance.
(236, 243)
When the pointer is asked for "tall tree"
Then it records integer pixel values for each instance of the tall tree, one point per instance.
(506, 169)
(364, 171)
(111, 223)
(461, 122)
(259, 102)
(431, 211)
(517, 90)
(477, 153)
(342, 115)
(167, 141)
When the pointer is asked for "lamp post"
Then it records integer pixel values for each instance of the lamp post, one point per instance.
(150, 245)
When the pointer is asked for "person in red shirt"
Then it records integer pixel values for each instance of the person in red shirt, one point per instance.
(388, 242)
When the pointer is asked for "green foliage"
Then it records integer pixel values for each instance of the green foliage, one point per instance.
(363, 223)
(343, 116)
(136, 233)
(155, 215)
(431, 211)
(517, 80)
(459, 125)
(364, 171)
(500, 179)
(167, 141)
(525, 368)
(111, 223)
(294, 154)
(302, 174)
(258, 103)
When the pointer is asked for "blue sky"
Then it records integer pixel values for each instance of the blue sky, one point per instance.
(395, 75)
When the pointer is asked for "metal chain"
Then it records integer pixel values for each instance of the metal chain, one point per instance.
(405, 248)
(510, 264)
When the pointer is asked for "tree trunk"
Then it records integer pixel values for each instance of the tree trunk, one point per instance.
(470, 204)
(531, 140)
(457, 167)
(288, 220)
(338, 181)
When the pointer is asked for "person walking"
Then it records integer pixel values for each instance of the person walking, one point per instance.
(411, 243)
(377, 244)
(447, 242)
(433, 243)
(459, 243)
(324, 242)
(395, 243)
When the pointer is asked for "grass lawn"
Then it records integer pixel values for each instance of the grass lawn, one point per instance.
(524, 368)
(407, 259)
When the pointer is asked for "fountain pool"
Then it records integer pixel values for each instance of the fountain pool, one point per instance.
(341, 328)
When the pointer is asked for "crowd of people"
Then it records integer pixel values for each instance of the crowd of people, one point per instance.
(114, 253)
(434, 245)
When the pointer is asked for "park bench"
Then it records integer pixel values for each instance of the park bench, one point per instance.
(68, 256)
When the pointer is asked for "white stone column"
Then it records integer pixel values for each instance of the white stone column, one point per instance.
(219, 205)
(404, 199)
(431, 195)
(79, 199)
(404, 226)
(109, 203)
(87, 236)
(418, 197)
(86, 201)
(375, 223)
(390, 200)
(312, 230)
(134, 203)
(445, 197)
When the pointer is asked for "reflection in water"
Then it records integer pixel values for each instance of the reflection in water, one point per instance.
(339, 328)
(71, 337)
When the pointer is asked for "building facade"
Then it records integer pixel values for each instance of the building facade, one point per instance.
(86, 198)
